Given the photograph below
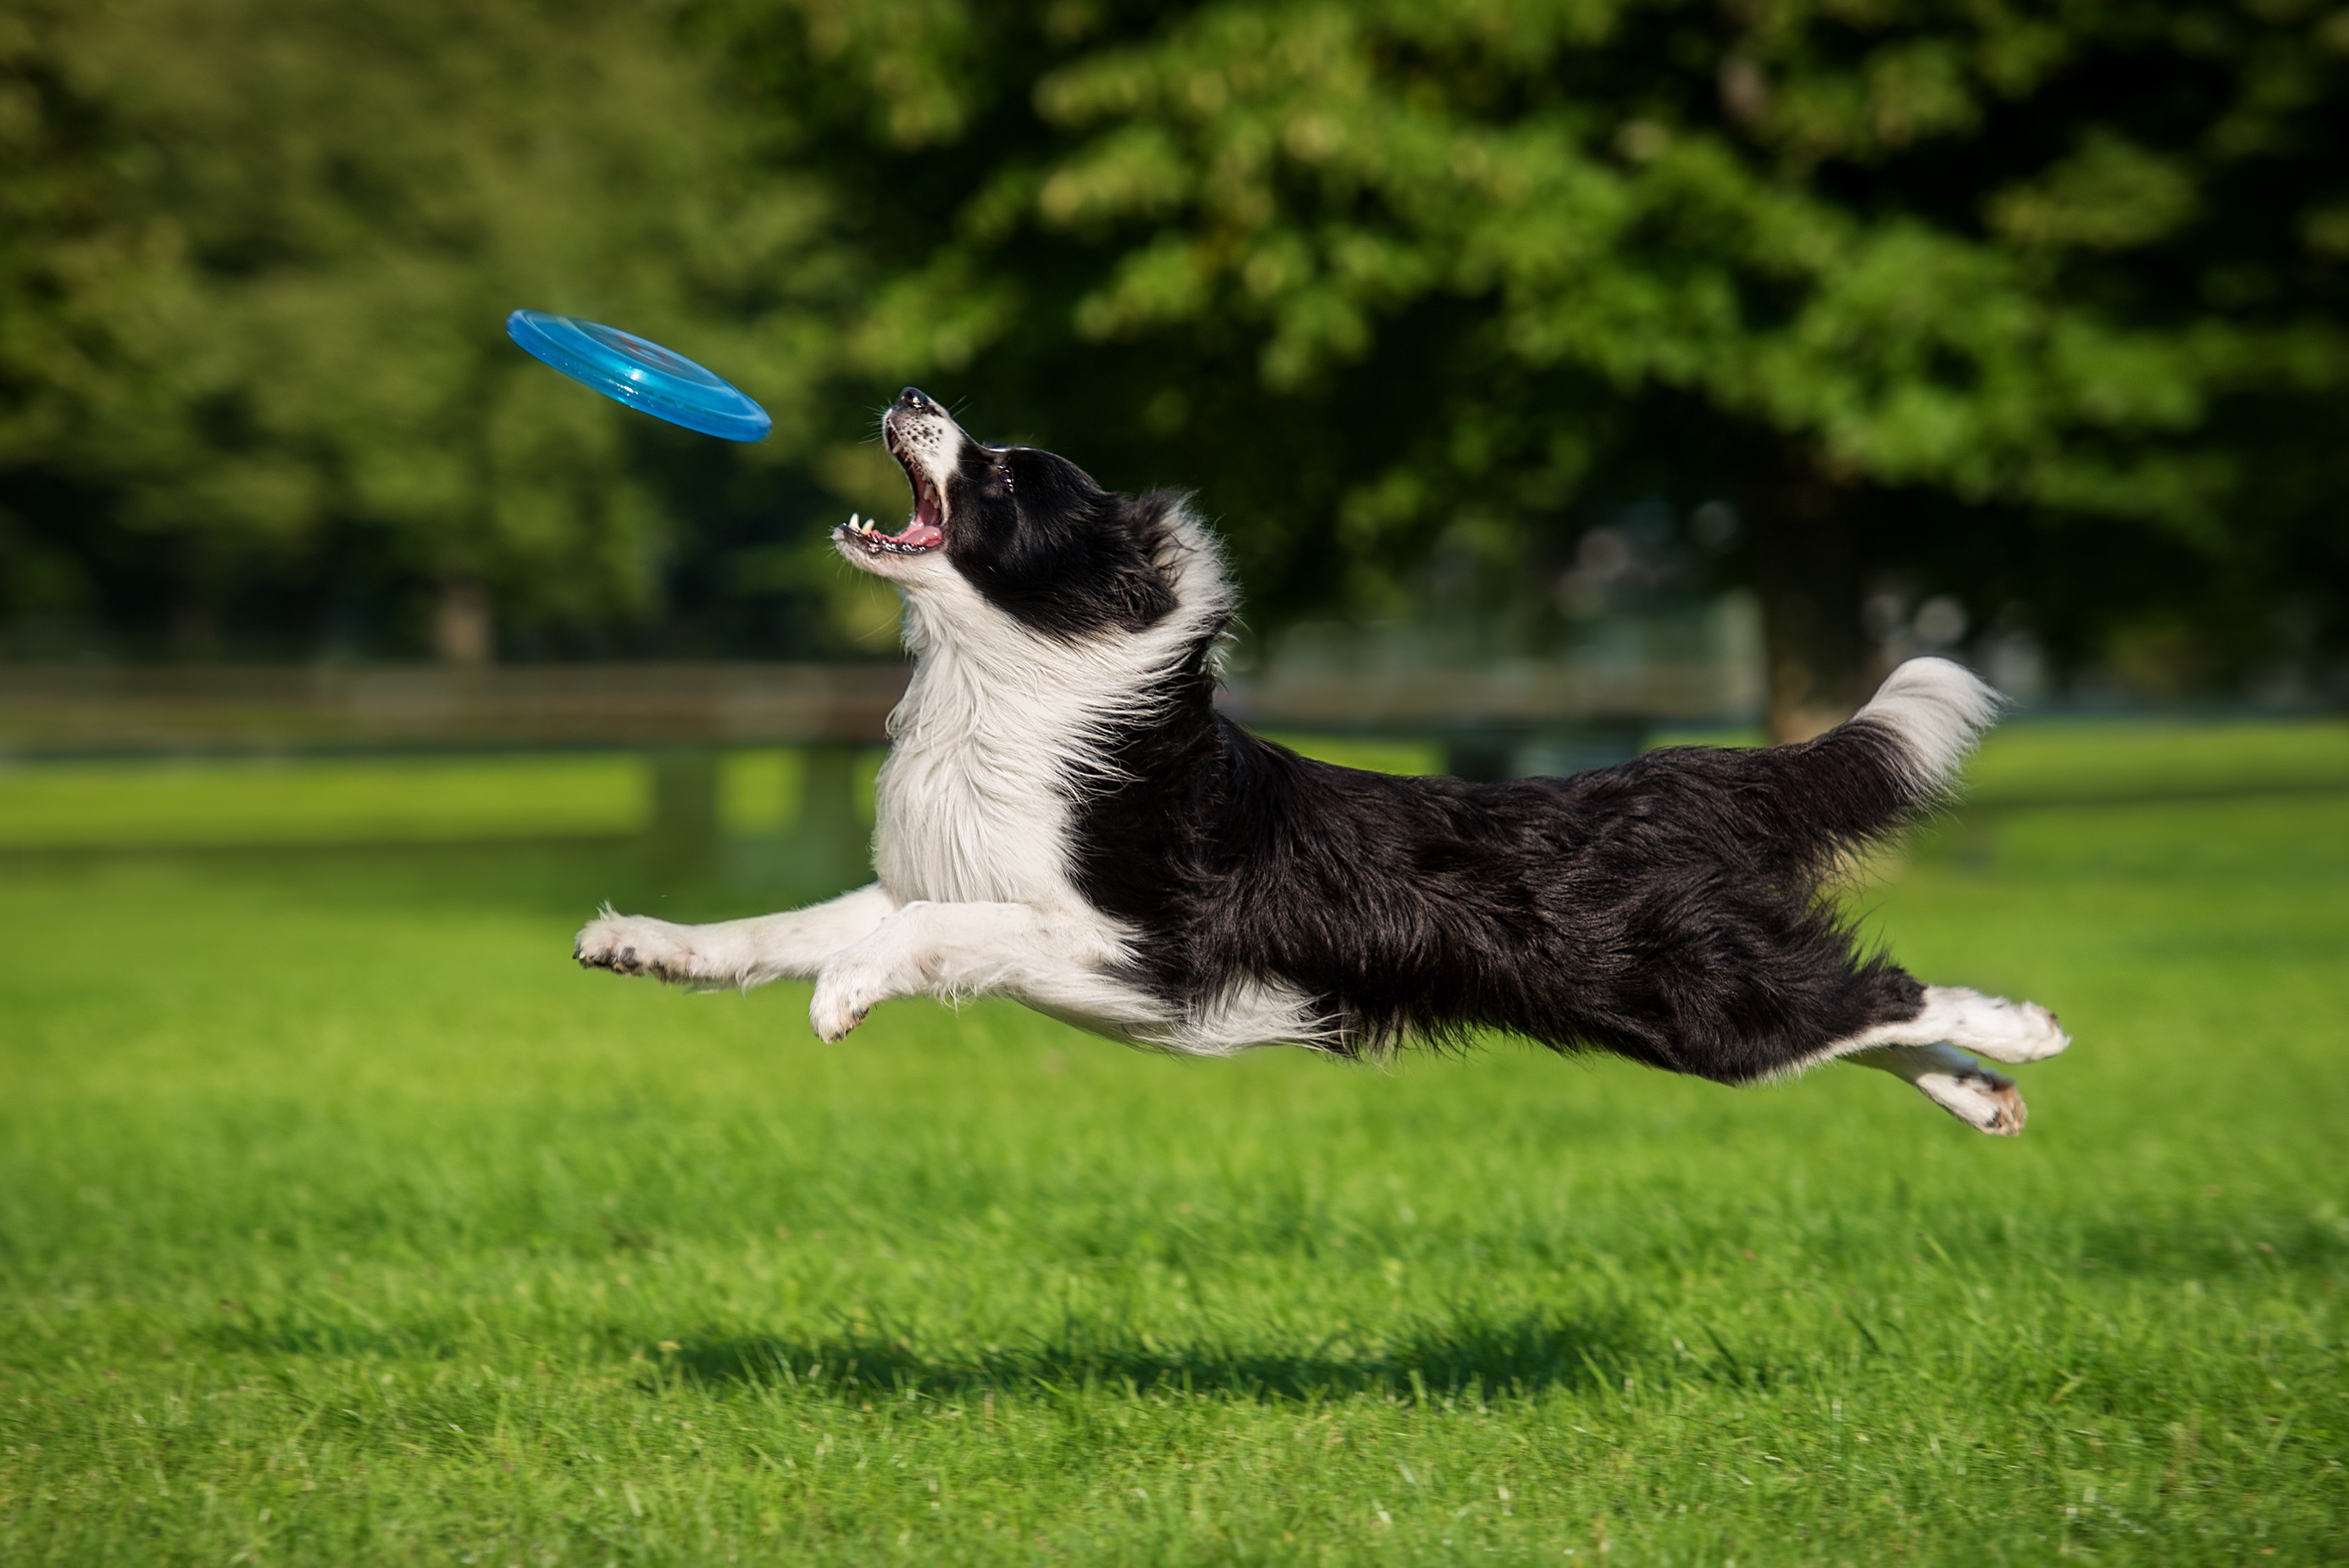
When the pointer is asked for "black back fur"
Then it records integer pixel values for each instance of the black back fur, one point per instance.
(1672, 909)
(1669, 909)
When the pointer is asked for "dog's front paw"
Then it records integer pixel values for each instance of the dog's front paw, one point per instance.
(634, 944)
(844, 996)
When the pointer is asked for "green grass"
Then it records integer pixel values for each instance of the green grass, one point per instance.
(2092, 760)
(318, 800)
(341, 1220)
(231, 802)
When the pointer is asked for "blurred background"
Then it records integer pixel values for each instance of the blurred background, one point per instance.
(1564, 376)
(1557, 374)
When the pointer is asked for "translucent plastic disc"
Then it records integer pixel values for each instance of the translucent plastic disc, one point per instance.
(641, 374)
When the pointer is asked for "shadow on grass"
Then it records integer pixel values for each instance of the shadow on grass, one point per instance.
(1524, 1356)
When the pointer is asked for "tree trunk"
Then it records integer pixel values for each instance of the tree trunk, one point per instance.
(193, 629)
(1803, 535)
(463, 630)
(684, 841)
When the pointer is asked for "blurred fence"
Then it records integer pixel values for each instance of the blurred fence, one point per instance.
(111, 711)
(1495, 721)
(1504, 709)
(761, 775)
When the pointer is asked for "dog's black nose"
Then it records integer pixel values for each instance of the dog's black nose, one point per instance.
(911, 398)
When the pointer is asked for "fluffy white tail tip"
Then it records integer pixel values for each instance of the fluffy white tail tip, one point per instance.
(1939, 708)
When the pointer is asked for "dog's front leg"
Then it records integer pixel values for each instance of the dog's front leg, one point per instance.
(1062, 963)
(793, 945)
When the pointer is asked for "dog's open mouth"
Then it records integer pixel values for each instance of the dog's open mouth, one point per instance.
(924, 532)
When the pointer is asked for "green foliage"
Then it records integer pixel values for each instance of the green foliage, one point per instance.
(350, 1224)
(261, 263)
(1504, 259)
(2044, 308)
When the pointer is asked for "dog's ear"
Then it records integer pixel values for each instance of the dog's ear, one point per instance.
(1143, 592)
(1048, 488)
(1057, 551)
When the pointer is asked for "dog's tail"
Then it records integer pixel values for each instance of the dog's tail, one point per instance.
(1791, 812)
(1891, 762)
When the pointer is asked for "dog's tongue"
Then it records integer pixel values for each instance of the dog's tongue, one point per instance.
(923, 531)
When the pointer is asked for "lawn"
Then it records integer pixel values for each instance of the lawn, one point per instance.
(343, 1220)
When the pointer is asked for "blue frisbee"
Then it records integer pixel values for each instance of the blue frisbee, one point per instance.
(645, 376)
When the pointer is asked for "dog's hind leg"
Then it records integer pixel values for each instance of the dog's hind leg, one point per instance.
(1992, 1026)
(1062, 964)
(1982, 1100)
(1930, 1050)
(752, 952)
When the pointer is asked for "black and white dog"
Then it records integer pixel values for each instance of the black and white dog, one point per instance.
(1065, 819)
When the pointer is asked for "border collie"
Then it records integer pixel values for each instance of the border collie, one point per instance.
(1066, 818)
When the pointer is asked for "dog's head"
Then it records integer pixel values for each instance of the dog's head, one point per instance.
(1030, 532)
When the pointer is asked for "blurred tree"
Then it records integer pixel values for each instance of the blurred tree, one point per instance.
(254, 258)
(1949, 285)
(2039, 306)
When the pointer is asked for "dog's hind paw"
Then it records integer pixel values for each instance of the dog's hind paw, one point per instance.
(2029, 1034)
(1982, 1100)
(635, 945)
(1993, 1026)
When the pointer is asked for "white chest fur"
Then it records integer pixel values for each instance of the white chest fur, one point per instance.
(973, 804)
(1001, 729)
(1002, 725)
